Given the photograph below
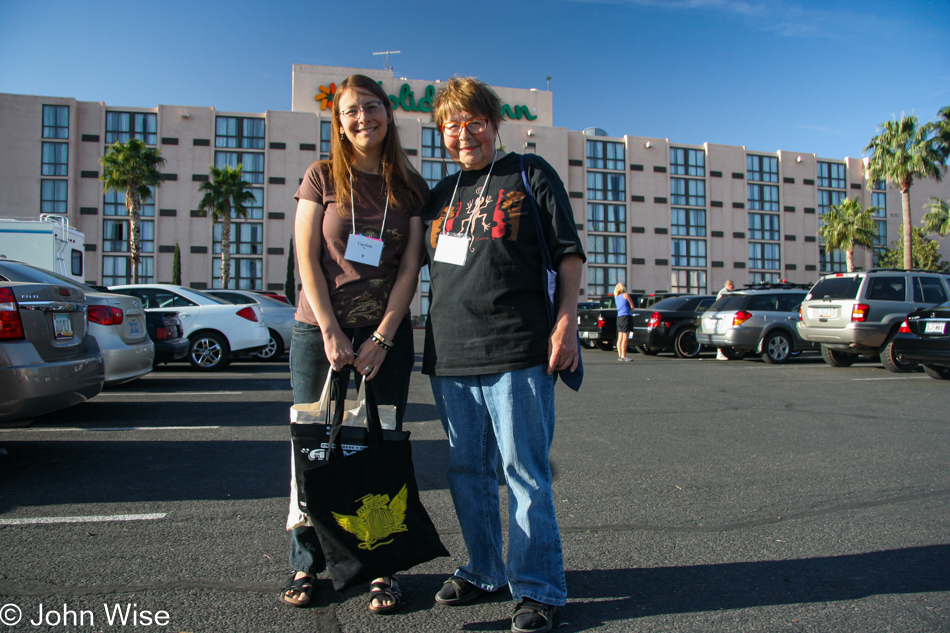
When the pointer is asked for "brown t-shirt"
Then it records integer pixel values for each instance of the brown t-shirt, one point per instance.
(358, 292)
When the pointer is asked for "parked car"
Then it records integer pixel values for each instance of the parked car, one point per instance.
(278, 317)
(597, 326)
(924, 338)
(116, 322)
(218, 330)
(670, 325)
(273, 295)
(759, 319)
(164, 328)
(47, 362)
(859, 313)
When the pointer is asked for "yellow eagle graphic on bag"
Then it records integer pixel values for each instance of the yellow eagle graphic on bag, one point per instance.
(376, 519)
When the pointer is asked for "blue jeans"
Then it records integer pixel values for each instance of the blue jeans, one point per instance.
(308, 372)
(511, 414)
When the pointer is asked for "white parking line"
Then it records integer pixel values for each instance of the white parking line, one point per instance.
(117, 428)
(86, 519)
(169, 393)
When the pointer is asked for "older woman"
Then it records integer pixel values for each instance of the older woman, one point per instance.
(490, 362)
(354, 312)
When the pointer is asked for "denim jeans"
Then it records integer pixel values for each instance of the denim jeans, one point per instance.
(511, 414)
(308, 372)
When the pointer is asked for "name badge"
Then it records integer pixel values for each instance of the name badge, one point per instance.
(363, 250)
(452, 249)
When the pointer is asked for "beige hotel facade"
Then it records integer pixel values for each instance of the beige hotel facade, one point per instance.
(657, 214)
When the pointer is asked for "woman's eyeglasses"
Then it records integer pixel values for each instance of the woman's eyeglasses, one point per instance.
(474, 127)
(369, 109)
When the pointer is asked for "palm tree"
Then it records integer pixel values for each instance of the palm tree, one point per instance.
(943, 131)
(904, 149)
(937, 220)
(846, 226)
(227, 192)
(131, 168)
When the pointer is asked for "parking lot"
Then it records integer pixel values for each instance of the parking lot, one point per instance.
(693, 495)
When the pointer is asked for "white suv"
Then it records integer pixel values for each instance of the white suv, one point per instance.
(859, 313)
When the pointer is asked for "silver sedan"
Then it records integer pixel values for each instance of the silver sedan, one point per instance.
(278, 317)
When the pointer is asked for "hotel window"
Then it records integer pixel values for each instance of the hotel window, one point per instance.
(122, 126)
(55, 121)
(831, 175)
(762, 168)
(115, 236)
(690, 253)
(424, 282)
(326, 130)
(115, 270)
(432, 143)
(252, 164)
(601, 280)
(55, 159)
(606, 218)
(833, 262)
(52, 196)
(435, 170)
(246, 238)
(687, 162)
(688, 222)
(254, 208)
(603, 249)
(879, 202)
(688, 281)
(606, 155)
(246, 274)
(606, 186)
(764, 226)
(239, 132)
(765, 256)
(113, 204)
(758, 277)
(688, 192)
(763, 197)
(827, 198)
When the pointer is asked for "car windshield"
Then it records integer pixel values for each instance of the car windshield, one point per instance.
(673, 303)
(18, 271)
(205, 295)
(836, 288)
(729, 302)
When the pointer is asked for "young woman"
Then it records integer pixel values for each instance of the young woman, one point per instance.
(358, 235)
(624, 304)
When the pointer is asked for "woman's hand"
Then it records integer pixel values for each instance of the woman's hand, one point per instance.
(370, 356)
(339, 349)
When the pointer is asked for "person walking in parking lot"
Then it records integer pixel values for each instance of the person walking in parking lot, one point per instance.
(365, 201)
(624, 304)
(727, 287)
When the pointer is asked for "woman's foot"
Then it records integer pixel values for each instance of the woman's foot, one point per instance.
(456, 591)
(298, 590)
(385, 595)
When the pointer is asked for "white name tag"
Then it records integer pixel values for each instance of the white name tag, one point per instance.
(452, 249)
(363, 250)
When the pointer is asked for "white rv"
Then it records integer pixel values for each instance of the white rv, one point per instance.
(48, 243)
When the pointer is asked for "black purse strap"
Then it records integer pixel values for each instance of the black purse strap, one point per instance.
(374, 428)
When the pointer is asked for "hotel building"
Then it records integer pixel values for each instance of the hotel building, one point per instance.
(657, 214)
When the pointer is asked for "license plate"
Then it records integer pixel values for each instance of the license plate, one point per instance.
(62, 326)
(135, 328)
(824, 313)
(709, 325)
(934, 328)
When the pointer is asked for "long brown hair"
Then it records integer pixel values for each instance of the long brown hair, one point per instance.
(397, 172)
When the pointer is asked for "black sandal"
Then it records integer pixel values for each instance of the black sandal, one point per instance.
(385, 590)
(531, 616)
(300, 586)
(456, 591)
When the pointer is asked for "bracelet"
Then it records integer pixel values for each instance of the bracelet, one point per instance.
(382, 341)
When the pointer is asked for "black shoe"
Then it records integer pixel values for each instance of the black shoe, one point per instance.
(532, 617)
(456, 591)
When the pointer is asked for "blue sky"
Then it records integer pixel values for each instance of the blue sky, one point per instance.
(797, 75)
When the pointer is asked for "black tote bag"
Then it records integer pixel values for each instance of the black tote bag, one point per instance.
(365, 507)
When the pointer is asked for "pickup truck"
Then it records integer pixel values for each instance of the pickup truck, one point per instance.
(597, 324)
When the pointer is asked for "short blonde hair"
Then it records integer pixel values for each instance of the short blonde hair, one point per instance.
(619, 288)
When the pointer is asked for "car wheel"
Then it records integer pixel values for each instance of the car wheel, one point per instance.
(685, 345)
(776, 348)
(604, 345)
(274, 349)
(892, 361)
(836, 358)
(940, 373)
(208, 351)
(732, 353)
(647, 351)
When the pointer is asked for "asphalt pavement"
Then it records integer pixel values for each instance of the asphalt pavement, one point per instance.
(692, 495)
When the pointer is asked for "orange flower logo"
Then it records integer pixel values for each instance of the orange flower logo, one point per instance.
(326, 96)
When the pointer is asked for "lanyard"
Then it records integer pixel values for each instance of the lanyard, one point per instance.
(469, 229)
(353, 209)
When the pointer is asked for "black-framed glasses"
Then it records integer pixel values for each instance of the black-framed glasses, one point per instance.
(369, 109)
(474, 127)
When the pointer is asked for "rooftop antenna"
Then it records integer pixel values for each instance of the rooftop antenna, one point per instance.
(387, 54)
(549, 82)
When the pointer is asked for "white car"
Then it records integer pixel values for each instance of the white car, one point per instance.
(116, 323)
(218, 330)
(278, 317)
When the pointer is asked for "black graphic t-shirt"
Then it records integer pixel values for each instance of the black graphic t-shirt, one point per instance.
(488, 315)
